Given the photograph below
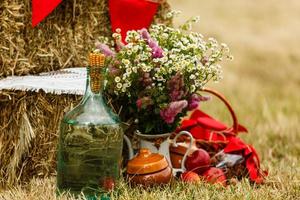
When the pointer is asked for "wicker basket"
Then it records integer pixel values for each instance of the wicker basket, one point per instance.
(214, 146)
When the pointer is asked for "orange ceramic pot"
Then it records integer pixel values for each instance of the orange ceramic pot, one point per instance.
(148, 169)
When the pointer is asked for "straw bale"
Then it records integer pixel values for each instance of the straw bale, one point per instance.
(29, 128)
(62, 40)
(29, 121)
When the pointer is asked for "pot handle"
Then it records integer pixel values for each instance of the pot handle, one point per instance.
(129, 145)
(189, 148)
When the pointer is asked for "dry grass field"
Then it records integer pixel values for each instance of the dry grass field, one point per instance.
(263, 85)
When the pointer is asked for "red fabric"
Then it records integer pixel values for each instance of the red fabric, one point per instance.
(211, 123)
(237, 146)
(41, 9)
(131, 14)
(204, 127)
(124, 14)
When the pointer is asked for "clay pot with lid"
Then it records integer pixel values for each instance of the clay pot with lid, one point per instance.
(149, 169)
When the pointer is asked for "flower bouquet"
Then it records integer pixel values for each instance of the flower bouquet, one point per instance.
(155, 75)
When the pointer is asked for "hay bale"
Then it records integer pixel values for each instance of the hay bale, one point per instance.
(62, 40)
(29, 121)
(29, 128)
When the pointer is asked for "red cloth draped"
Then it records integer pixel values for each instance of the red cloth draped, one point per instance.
(124, 14)
(237, 146)
(131, 14)
(204, 127)
(41, 9)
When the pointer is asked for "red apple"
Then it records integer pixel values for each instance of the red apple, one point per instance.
(190, 177)
(198, 161)
(108, 184)
(215, 175)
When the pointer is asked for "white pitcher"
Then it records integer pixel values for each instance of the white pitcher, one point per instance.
(160, 144)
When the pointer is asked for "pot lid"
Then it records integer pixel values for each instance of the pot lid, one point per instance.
(146, 162)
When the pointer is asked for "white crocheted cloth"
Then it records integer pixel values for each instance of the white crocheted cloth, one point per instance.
(65, 81)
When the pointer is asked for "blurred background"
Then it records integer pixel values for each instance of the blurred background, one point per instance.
(263, 81)
(263, 36)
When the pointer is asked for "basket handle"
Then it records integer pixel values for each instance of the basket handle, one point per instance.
(227, 104)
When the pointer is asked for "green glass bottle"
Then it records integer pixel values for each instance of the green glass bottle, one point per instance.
(90, 141)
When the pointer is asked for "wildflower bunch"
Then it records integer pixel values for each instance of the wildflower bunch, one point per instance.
(157, 73)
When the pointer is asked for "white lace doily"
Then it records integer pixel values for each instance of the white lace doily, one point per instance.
(65, 81)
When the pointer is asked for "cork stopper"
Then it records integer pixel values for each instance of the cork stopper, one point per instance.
(96, 63)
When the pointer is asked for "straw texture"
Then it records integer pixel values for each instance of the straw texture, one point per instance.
(28, 120)
(62, 40)
(29, 129)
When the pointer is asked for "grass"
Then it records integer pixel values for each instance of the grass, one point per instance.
(263, 85)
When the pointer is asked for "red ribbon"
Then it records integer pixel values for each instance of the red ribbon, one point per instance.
(124, 14)
(237, 146)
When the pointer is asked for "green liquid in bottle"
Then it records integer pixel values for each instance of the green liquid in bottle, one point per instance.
(90, 147)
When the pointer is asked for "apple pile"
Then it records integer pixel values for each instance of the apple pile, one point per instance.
(198, 166)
